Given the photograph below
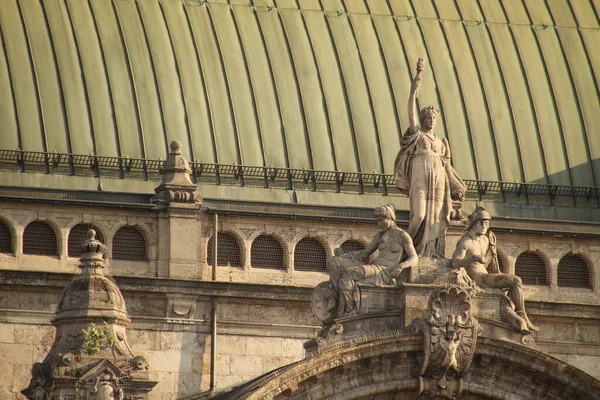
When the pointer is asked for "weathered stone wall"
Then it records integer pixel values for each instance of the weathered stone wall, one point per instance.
(259, 328)
(263, 314)
(21, 345)
(179, 361)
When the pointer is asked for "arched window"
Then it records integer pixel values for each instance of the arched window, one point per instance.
(310, 255)
(266, 252)
(78, 235)
(40, 239)
(352, 245)
(574, 271)
(228, 250)
(129, 244)
(6, 238)
(531, 268)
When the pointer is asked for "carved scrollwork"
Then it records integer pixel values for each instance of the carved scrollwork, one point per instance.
(139, 363)
(324, 301)
(330, 334)
(450, 341)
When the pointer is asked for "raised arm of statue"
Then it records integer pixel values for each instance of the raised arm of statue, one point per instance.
(413, 113)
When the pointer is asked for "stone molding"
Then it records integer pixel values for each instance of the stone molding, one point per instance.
(497, 361)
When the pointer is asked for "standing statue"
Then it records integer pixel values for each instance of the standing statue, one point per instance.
(396, 252)
(424, 173)
(475, 251)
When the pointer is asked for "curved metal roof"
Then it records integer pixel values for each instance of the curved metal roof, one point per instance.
(322, 87)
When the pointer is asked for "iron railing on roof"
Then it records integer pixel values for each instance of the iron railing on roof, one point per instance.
(267, 176)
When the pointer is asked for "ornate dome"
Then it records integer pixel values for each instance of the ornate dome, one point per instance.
(91, 295)
(316, 85)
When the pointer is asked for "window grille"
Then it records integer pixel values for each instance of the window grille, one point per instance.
(352, 245)
(531, 268)
(229, 251)
(267, 252)
(574, 271)
(310, 255)
(78, 235)
(6, 240)
(39, 239)
(129, 244)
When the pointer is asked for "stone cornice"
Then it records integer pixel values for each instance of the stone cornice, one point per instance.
(22, 280)
(232, 290)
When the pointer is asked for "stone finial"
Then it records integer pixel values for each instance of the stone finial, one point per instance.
(91, 249)
(176, 185)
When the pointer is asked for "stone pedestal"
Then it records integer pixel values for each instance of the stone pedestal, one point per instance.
(179, 227)
(179, 247)
(393, 309)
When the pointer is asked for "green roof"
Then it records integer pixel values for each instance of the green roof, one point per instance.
(324, 87)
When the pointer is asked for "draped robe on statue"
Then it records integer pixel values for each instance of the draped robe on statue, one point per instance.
(424, 173)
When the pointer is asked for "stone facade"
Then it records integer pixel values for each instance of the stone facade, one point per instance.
(264, 314)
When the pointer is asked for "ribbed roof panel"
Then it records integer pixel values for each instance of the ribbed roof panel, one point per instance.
(322, 87)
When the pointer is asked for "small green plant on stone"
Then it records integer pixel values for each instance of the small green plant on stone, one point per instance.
(91, 339)
(109, 337)
(230, 272)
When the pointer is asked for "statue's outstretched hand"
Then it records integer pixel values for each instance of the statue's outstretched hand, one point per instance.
(420, 65)
(416, 82)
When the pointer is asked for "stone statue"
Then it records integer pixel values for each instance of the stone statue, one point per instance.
(396, 252)
(475, 251)
(424, 173)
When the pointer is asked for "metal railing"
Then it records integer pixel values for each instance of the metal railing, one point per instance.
(265, 176)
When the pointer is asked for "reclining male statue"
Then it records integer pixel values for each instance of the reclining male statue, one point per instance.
(475, 251)
(396, 252)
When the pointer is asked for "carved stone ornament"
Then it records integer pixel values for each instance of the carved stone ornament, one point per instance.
(424, 172)
(90, 357)
(176, 185)
(450, 334)
(460, 278)
(324, 301)
(348, 269)
(329, 335)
